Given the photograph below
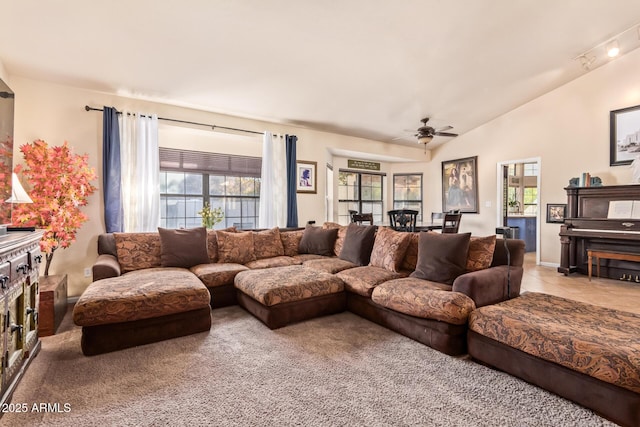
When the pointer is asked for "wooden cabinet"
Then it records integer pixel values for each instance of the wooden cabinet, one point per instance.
(20, 260)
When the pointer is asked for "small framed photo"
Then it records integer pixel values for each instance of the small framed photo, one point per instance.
(307, 174)
(624, 135)
(556, 212)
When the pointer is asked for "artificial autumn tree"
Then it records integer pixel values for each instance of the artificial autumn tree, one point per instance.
(59, 184)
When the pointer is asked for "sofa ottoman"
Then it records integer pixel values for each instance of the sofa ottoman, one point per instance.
(141, 307)
(283, 295)
(585, 353)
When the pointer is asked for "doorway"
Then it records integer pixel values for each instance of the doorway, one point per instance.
(518, 201)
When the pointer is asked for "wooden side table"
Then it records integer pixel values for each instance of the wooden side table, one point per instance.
(53, 304)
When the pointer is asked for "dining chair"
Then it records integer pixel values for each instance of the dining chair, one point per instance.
(403, 219)
(451, 222)
(360, 218)
(352, 213)
(437, 216)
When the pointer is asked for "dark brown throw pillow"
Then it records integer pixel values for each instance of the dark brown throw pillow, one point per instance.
(183, 247)
(317, 241)
(358, 244)
(442, 257)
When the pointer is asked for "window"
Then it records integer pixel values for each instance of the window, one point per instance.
(530, 198)
(361, 192)
(407, 192)
(189, 179)
(530, 169)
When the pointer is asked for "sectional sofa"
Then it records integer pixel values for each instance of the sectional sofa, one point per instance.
(152, 286)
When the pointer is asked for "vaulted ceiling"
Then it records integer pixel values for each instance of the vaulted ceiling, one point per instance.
(367, 68)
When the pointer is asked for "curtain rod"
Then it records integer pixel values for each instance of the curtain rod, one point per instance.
(213, 127)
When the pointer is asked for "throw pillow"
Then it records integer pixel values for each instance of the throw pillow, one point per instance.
(358, 243)
(291, 241)
(481, 252)
(442, 257)
(389, 248)
(183, 247)
(342, 232)
(267, 243)
(212, 243)
(318, 241)
(137, 250)
(411, 256)
(235, 247)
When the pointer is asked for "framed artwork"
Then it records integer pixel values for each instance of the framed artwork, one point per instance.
(624, 135)
(556, 212)
(460, 185)
(307, 174)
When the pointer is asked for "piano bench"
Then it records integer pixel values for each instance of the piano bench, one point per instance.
(622, 256)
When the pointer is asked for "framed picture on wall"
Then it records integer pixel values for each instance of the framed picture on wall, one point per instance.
(460, 185)
(624, 135)
(556, 212)
(307, 174)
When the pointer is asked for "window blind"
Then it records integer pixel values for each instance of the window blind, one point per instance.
(172, 159)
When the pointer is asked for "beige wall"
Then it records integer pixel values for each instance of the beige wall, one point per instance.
(567, 129)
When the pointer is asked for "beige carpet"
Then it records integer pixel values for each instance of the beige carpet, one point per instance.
(336, 370)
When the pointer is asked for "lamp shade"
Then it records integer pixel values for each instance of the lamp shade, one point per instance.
(18, 195)
(425, 139)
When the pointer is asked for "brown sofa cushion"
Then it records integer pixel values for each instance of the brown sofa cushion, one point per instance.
(287, 284)
(358, 244)
(138, 250)
(389, 248)
(424, 299)
(593, 340)
(235, 247)
(218, 274)
(411, 256)
(277, 261)
(318, 241)
(330, 265)
(183, 247)
(481, 252)
(142, 294)
(442, 257)
(362, 280)
(342, 233)
(291, 241)
(267, 244)
(212, 242)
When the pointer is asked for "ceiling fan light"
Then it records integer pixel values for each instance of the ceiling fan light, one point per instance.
(425, 139)
(612, 48)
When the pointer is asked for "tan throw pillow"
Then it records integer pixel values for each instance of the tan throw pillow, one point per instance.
(267, 243)
(291, 241)
(318, 241)
(212, 243)
(137, 250)
(480, 252)
(184, 247)
(389, 248)
(235, 247)
(411, 256)
(442, 257)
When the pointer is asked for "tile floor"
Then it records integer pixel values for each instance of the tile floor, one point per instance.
(605, 292)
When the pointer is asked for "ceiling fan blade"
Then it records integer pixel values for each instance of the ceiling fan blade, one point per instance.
(444, 128)
(445, 134)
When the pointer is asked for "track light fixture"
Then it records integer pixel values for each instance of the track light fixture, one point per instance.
(621, 42)
(613, 49)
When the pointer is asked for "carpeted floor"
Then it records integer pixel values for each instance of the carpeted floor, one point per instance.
(335, 370)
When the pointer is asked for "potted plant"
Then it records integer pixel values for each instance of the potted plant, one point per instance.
(59, 183)
(210, 217)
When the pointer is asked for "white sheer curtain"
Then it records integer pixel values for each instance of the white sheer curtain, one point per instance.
(273, 184)
(140, 172)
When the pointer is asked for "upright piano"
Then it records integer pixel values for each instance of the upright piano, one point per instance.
(586, 226)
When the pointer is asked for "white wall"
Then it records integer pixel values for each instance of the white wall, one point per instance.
(567, 128)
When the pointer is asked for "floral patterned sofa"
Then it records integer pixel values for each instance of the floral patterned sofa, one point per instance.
(407, 282)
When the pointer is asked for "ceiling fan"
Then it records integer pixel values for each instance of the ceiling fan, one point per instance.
(426, 133)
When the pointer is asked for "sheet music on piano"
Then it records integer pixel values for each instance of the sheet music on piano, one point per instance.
(624, 209)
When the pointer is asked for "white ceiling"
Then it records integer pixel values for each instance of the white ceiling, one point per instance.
(368, 68)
